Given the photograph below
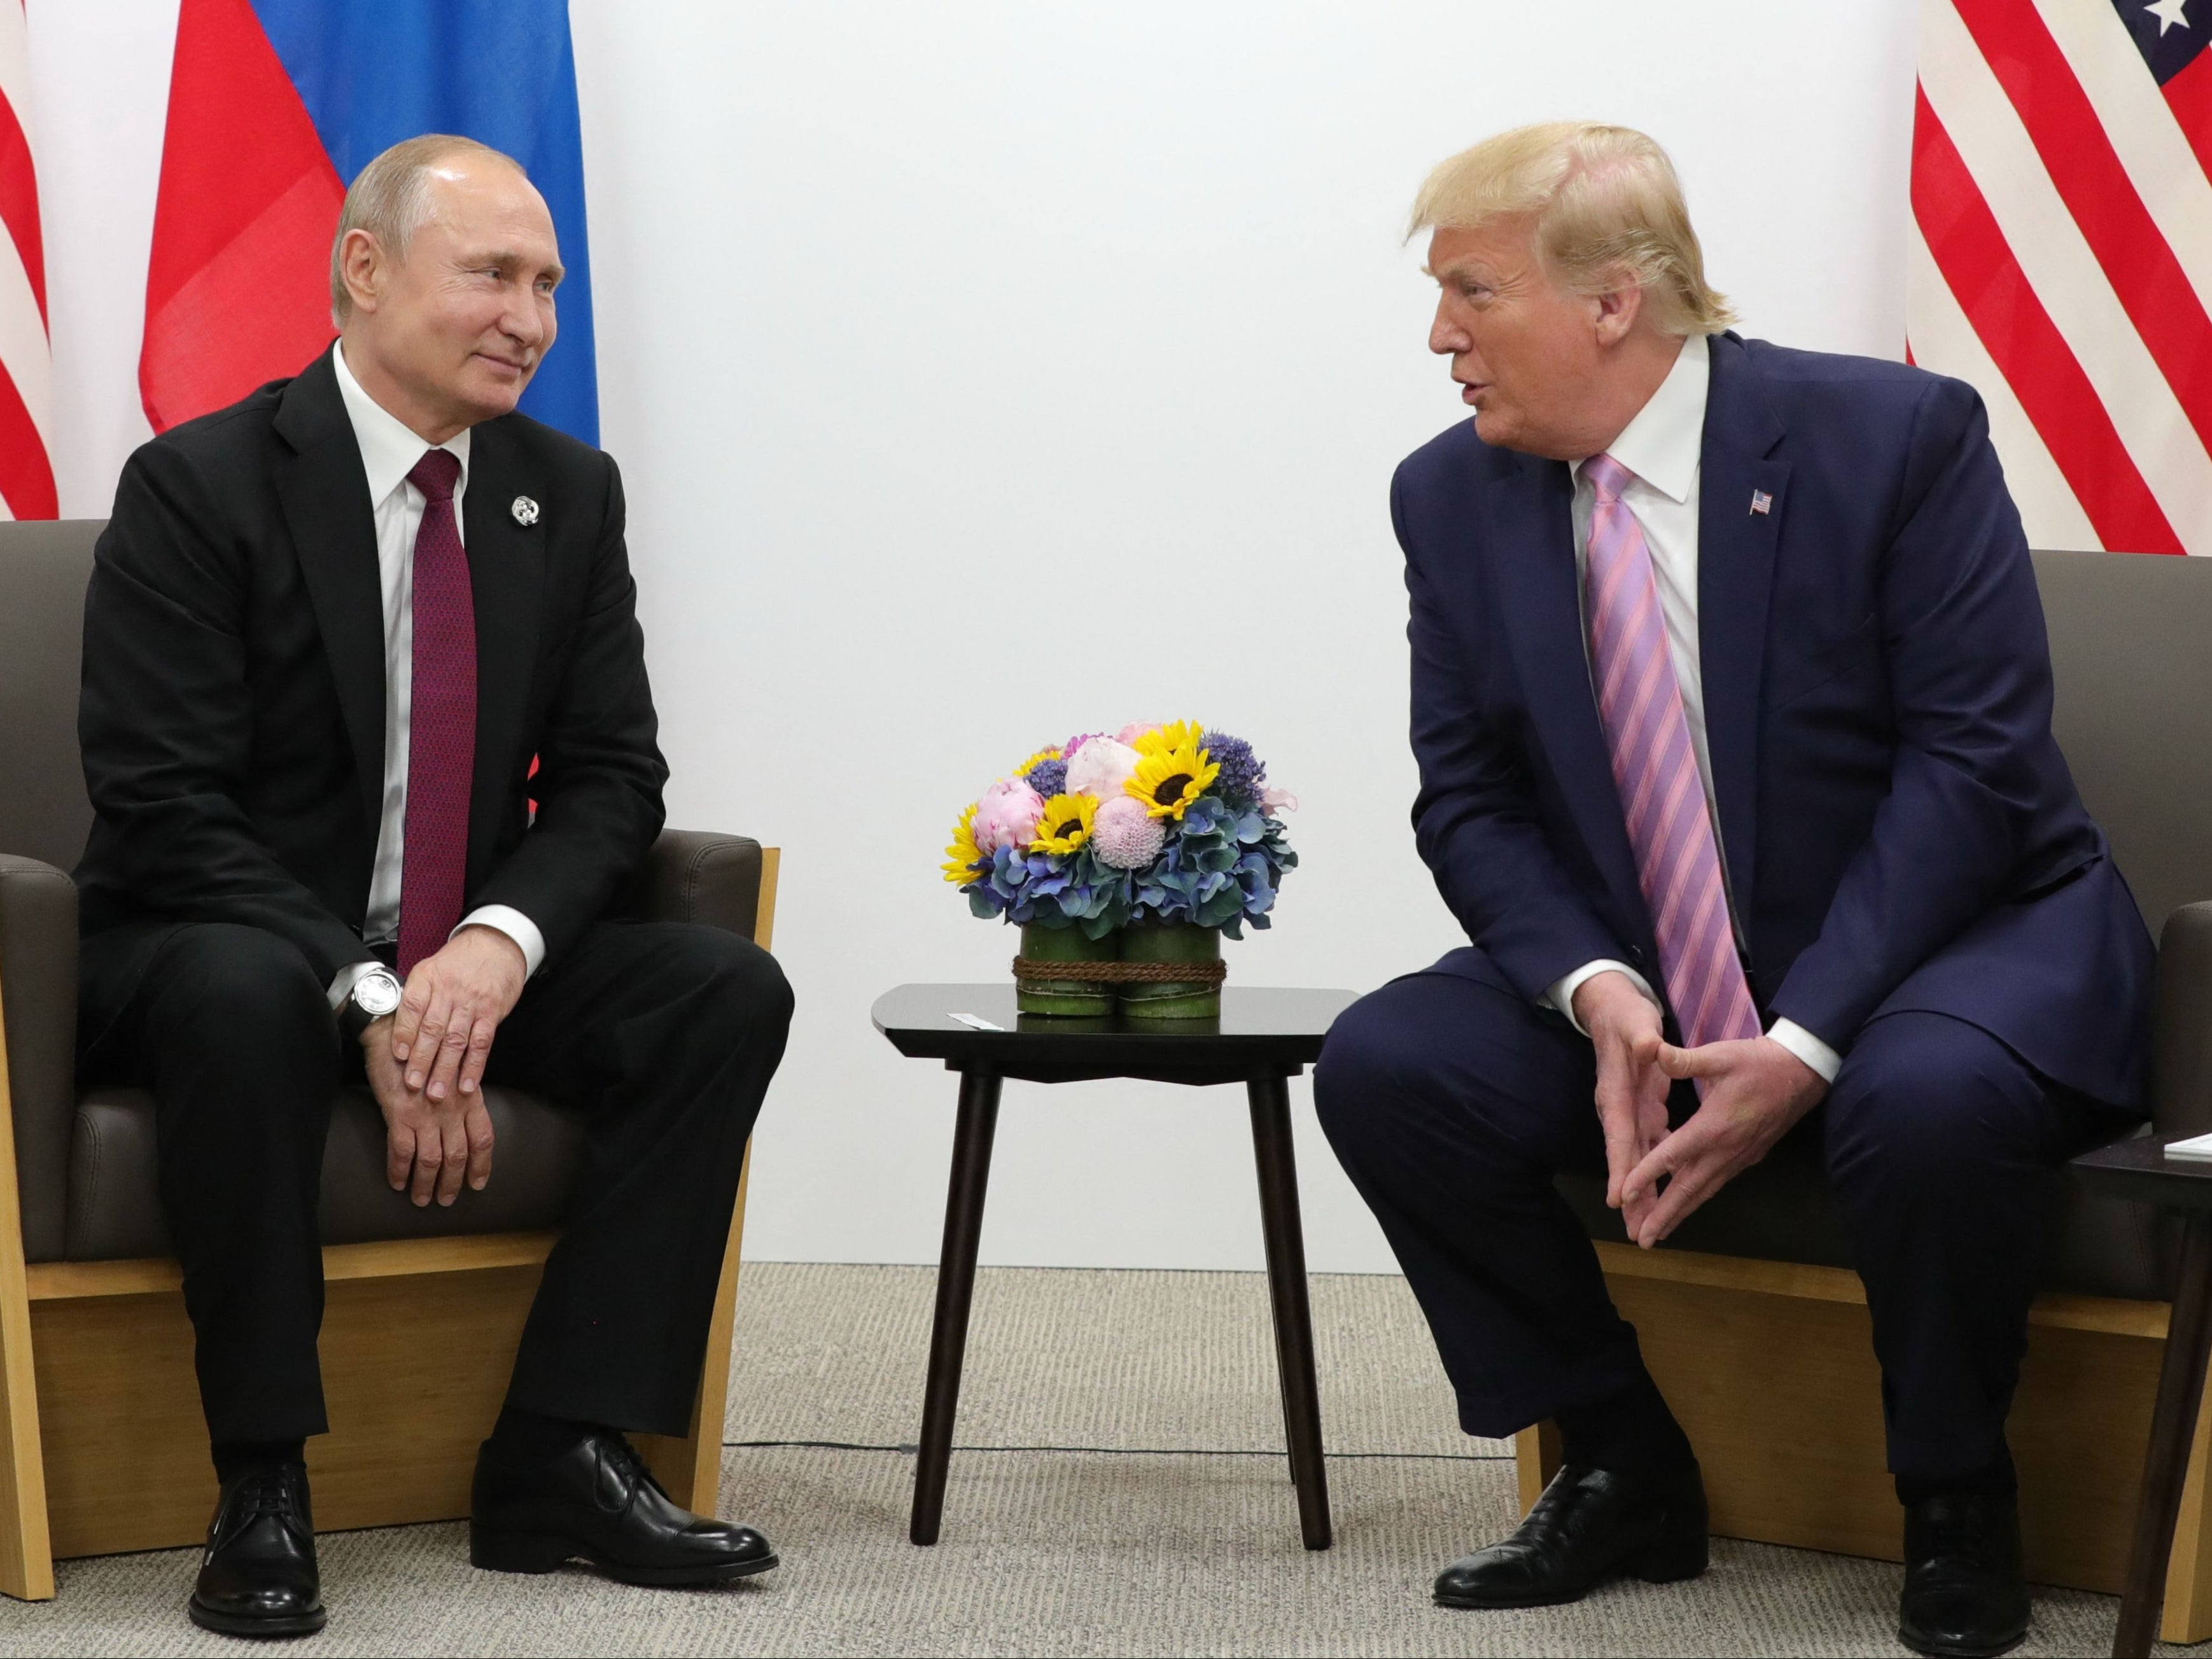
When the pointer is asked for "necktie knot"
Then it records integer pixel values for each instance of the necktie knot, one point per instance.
(1607, 477)
(436, 474)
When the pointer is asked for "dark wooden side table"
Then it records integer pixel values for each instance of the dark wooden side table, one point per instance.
(2139, 1169)
(1263, 1038)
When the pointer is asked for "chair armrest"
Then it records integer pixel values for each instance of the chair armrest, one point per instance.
(2181, 1025)
(695, 875)
(37, 987)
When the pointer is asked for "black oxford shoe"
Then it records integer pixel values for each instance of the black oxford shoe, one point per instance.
(258, 1575)
(1590, 1525)
(597, 1503)
(1966, 1589)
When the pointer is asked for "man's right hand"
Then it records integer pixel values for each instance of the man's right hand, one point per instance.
(1631, 1089)
(430, 1147)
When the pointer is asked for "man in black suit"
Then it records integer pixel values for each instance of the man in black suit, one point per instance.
(329, 629)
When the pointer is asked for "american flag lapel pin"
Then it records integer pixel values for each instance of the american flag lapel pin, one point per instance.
(1761, 501)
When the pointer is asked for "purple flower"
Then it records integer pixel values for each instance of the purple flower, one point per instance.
(1242, 772)
(1049, 778)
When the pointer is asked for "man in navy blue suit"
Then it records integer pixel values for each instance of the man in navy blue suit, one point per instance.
(1732, 703)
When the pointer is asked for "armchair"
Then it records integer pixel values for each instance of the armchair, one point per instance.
(101, 1445)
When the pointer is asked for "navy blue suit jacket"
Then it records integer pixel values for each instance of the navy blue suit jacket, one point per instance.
(1900, 828)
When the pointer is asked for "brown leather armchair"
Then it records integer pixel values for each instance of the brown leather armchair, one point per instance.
(1750, 1316)
(100, 1444)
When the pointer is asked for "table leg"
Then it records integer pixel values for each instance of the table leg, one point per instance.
(1273, 1153)
(2172, 1426)
(956, 1286)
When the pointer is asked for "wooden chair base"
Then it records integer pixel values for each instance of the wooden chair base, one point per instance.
(417, 1341)
(1770, 1366)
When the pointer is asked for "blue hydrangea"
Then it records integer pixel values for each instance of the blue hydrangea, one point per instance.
(1049, 778)
(1242, 772)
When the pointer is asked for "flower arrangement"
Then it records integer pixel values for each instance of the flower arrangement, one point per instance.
(1155, 823)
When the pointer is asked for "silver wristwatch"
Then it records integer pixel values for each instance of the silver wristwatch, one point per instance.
(374, 994)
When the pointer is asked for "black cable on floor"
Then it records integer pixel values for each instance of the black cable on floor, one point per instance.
(909, 1450)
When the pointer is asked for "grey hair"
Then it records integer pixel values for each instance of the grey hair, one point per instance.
(391, 200)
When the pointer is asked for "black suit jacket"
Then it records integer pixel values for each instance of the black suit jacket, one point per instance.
(232, 713)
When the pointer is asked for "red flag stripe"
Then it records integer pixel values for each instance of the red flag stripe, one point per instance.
(26, 477)
(2027, 346)
(2128, 245)
(19, 201)
(2189, 95)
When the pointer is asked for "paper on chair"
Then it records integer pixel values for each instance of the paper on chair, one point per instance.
(2198, 1149)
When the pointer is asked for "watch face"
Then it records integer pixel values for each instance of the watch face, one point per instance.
(376, 994)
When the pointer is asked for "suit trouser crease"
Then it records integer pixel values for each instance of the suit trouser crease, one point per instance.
(663, 1036)
(1452, 1104)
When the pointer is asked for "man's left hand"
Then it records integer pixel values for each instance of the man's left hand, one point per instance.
(453, 1003)
(1755, 1092)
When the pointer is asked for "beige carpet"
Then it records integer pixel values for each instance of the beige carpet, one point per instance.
(1132, 1499)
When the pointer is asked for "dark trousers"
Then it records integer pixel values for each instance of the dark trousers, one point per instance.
(662, 1035)
(1452, 1101)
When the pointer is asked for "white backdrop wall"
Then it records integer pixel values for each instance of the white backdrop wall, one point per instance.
(984, 373)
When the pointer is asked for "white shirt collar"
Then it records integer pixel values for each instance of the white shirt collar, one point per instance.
(1662, 444)
(389, 448)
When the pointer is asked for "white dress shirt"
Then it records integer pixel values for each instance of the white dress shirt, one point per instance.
(1662, 450)
(389, 451)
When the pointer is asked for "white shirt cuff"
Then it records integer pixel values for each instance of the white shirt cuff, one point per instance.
(1561, 996)
(347, 978)
(1808, 1047)
(506, 919)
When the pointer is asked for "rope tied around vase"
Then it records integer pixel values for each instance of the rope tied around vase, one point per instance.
(1034, 970)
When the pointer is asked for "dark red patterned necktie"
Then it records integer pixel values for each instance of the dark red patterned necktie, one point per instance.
(442, 741)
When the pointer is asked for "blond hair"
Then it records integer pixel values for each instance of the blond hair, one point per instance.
(391, 200)
(1606, 203)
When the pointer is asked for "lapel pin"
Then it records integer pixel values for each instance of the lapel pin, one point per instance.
(526, 511)
(1761, 501)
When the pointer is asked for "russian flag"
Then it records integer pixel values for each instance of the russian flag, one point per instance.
(274, 107)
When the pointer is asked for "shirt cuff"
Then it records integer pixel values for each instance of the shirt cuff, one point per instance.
(1561, 996)
(506, 919)
(347, 978)
(1808, 1047)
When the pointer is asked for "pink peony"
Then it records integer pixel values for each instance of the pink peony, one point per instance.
(1124, 836)
(1136, 729)
(1273, 800)
(1100, 768)
(1007, 815)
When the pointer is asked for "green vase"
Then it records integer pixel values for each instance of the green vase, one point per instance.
(1064, 996)
(1171, 941)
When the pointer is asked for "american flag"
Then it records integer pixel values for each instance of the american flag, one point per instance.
(2061, 255)
(26, 472)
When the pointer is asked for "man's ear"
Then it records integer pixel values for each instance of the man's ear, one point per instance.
(362, 265)
(1617, 310)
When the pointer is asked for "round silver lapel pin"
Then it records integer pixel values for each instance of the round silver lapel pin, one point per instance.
(525, 510)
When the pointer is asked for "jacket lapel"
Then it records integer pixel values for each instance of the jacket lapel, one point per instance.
(507, 576)
(324, 493)
(1736, 540)
(1543, 609)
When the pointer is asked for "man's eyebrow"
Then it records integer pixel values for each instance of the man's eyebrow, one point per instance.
(506, 260)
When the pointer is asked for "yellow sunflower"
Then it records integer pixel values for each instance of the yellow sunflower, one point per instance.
(1169, 778)
(1065, 823)
(1166, 739)
(963, 854)
(1035, 760)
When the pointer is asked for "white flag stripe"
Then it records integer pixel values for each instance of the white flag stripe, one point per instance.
(1944, 340)
(23, 349)
(2060, 266)
(2144, 134)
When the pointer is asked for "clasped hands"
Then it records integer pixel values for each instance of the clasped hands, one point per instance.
(426, 1064)
(1755, 1090)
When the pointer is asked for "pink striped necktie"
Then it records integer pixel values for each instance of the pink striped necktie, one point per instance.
(1639, 702)
(441, 722)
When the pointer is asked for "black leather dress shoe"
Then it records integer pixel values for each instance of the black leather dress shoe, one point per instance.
(598, 1502)
(1965, 1591)
(258, 1576)
(1590, 1525)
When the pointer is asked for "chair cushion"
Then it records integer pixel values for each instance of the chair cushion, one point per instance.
(114, 1201)
(1785, 1211)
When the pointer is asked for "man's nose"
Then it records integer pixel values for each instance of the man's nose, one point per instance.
(1446, 337)
(525, 321)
